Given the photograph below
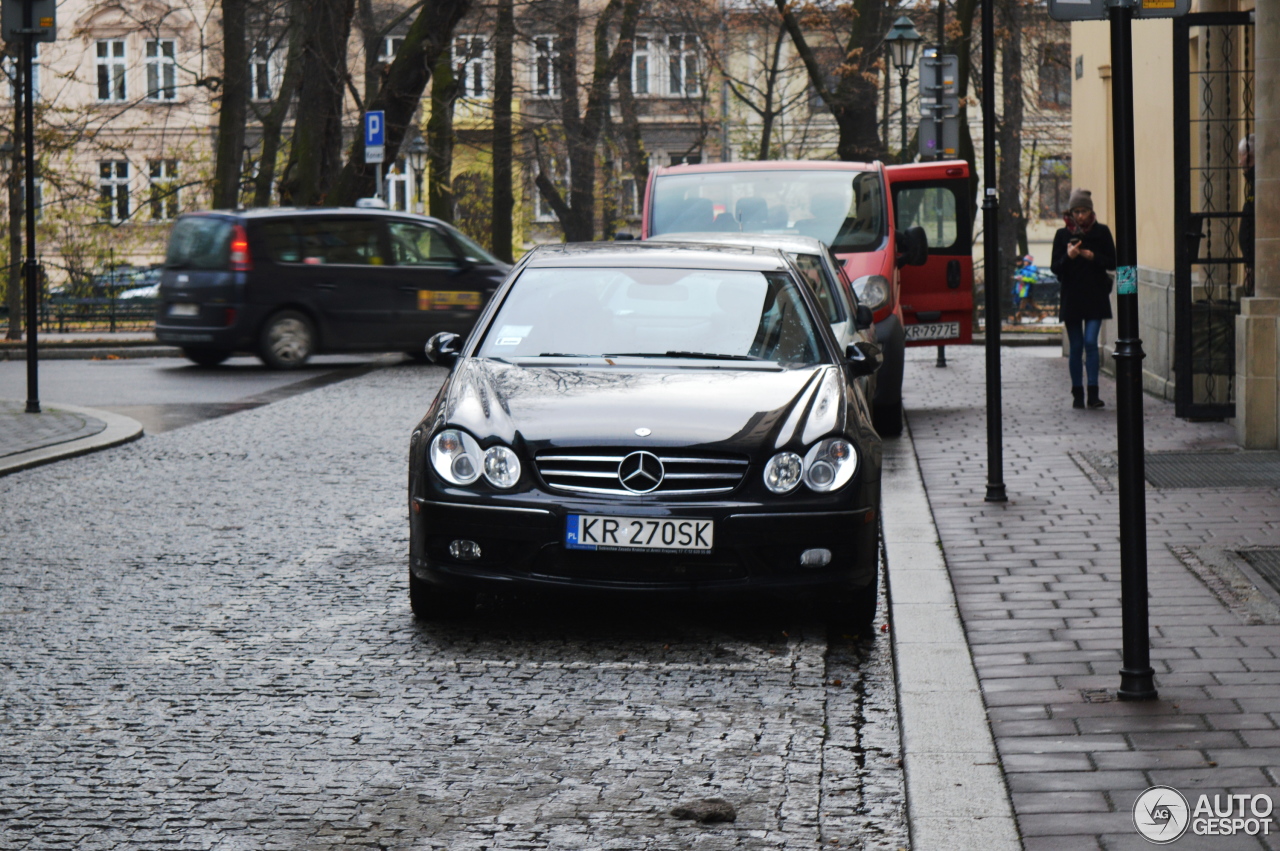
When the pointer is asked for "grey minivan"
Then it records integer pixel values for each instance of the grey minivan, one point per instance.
(285, 284)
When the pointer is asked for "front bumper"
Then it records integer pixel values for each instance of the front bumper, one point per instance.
(757, 549)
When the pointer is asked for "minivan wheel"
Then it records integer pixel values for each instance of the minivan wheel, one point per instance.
(205, 357)
(288, 340)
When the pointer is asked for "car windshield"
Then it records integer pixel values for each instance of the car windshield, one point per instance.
(654, 312)
(843, 209)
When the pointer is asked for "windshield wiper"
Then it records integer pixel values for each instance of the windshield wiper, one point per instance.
(678, 354)
(565, 355)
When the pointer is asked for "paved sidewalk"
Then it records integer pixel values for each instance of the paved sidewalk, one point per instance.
(58, 431)
(79, 345)
(1037, 583)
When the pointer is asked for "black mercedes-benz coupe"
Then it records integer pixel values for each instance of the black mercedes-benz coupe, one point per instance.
(648, 418)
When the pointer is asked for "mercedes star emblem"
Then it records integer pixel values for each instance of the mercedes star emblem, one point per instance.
(640, 472)
(643, 432)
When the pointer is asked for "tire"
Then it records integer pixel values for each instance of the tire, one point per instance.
(854, 612)
(287, 341)
(887, 419)
(433, 603)
(205, 357)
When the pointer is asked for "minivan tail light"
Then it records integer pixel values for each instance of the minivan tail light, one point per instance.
(229, 316)
(240, 259)
(954, 172)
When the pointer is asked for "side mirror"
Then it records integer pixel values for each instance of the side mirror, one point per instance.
(864, 318)
(864, 358)
(624, 236)
(913, 247)
(443, 348)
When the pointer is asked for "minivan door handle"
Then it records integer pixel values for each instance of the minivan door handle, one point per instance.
(324, 286)
(409, 289)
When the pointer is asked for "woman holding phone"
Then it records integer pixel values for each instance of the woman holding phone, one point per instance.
(1083, 253)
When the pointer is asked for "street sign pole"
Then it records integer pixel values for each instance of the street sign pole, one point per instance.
(31, 268)
(1136, 675)
(375, 141)
(991, 259)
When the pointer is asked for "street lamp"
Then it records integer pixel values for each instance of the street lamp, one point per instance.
(416, 151)
(903, 42)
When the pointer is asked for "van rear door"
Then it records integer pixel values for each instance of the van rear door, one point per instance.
(937, 298)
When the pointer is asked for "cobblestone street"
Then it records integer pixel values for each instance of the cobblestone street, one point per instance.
(207, 644)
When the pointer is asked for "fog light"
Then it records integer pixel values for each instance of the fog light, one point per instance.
(470, 550)
(817, 557)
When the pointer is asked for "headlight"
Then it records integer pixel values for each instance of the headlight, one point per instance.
(455, 455)
(782, 473)
(501, 467)
(872, 290)
(830, 464)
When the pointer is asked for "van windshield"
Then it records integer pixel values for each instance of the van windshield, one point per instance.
(843, 209)
(199, 242)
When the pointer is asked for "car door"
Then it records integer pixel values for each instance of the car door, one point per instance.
(936, 298)
(437, 288)
(342, 266)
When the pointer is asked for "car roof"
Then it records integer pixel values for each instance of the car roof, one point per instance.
(295, 212)
(653, 253)
(770, 165)
(792, 243)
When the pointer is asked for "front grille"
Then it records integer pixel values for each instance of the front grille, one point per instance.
(596, 471)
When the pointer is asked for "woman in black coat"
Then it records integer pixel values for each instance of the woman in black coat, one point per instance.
(1083, 253)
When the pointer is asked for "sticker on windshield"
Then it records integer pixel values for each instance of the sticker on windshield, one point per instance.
(512, 335)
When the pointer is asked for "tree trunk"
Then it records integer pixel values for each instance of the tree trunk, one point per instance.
(273, 120)
(961, 47)
(317, 137)
(400, 94)
(503, 142)
(444, 92)
(1012, 222)
(229, 149)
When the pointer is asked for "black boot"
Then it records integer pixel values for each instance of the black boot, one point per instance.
(1077, 397)
(1094, 401)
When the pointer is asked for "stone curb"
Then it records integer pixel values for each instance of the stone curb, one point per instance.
(72, 352)
(956, 793)
(120, 429)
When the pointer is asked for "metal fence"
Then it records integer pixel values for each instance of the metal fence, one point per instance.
(62, 315)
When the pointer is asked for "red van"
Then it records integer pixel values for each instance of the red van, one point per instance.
(916, 275)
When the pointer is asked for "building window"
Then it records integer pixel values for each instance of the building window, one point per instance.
(542, 210)
(686, 159)
(469, 54)
(398, 186)
(640, 66)
(11, 70)
(1055, 75)
(1055, 186)
(162, 71)
(546, 76)
(628, 198)
(113, 189)
(682, 65)
(111, 64)
(389, 47)
(263, 71)
(164, 189)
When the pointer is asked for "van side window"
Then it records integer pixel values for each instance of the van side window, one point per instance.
(934, 208)
(419, 245)
(325, 242)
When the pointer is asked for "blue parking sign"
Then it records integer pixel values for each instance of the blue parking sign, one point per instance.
(375, 128)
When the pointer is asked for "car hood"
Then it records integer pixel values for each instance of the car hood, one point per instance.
(730, 409)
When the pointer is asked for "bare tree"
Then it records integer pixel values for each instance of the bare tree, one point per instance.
(503, 147)
(229, 146)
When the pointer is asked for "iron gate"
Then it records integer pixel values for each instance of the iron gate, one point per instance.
(1212, 112)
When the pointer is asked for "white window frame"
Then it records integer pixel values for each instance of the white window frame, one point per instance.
(263, 69)
(11, 72)
(113, 190)
(161, 58)
(111, 55)
(398, 188)
(642, 66)
(683, 68)
(471, 59)
(542, 211)
(546, 73)
(163, 194)
(389, 47)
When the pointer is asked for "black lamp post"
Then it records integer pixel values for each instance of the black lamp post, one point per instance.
(903, 42)
(416, 151)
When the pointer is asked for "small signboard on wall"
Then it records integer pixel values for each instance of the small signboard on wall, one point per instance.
(1100, 10)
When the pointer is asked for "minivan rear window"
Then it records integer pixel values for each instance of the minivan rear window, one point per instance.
(199, 242)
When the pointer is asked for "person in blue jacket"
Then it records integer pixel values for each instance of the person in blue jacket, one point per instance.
(1083, 253)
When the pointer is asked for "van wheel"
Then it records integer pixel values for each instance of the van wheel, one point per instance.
(288, 340)
(205, 357)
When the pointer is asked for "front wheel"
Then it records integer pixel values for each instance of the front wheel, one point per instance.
(433, 603)
(205, 357)
(887, 419)
(288, 340)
